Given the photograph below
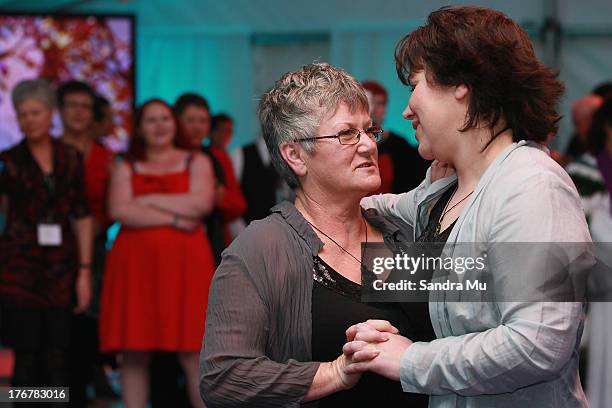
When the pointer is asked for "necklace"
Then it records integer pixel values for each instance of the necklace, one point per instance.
(340, 246)
(439, 226)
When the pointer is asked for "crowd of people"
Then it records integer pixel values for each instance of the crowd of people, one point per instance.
(68, 304)
(269, 313)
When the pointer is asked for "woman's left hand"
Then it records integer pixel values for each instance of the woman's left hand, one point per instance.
(83, 292)
(440, 170)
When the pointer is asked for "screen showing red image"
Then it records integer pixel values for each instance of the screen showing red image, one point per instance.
(94, 49)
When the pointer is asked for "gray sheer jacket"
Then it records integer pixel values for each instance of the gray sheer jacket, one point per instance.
(257, 347)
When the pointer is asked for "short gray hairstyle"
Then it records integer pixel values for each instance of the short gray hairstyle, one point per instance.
(294, 108)
(39, 89)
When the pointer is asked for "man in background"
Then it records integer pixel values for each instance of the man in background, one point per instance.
(259, 182)
(76, 100)
(400, 165)
(582, 115)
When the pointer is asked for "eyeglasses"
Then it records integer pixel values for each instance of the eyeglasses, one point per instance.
(351, 136)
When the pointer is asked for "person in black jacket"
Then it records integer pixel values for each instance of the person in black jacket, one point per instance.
(400, 165)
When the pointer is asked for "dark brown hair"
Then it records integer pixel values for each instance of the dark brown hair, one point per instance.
(72, 87)
(218, 119)
(137, 148)
(375, 88)
(490, 54)
(190, 99)
(597, 136)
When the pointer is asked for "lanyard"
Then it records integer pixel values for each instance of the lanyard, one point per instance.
(49, 182)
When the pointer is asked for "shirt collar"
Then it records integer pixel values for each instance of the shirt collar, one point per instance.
(297, 221)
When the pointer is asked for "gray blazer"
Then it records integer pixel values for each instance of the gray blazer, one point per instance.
(257, 349)
(500, 354)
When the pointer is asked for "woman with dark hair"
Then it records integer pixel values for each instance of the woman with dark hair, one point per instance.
(483, 103)
(158, 272)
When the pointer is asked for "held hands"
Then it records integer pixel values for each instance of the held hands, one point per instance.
(375, 346)
(338, 372)
(332, 377)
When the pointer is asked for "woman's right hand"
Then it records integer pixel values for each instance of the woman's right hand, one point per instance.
(338, 367)
(380, 330)
(332, 377)
(186, 224)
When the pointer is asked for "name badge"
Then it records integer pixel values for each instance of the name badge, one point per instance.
(49, 235)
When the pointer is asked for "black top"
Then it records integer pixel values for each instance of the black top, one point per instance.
(417, 313)
(258, 183)
(214, 220)
(336, 305)
(575, 147)
(429, 233)
(258, 340)
(409, 168)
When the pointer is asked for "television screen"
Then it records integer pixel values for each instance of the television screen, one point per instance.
(96, 49)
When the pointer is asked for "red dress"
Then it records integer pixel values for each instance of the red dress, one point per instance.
(156, 282)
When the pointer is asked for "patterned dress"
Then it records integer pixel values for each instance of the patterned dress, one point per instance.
(32, 275)
(37, 283)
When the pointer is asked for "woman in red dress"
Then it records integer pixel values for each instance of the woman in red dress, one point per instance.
(157, 275)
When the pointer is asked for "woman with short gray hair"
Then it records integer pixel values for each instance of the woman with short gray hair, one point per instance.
(290, 284)
(45, 252)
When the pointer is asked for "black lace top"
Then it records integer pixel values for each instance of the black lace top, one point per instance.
(336, 305)
(429, 233)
